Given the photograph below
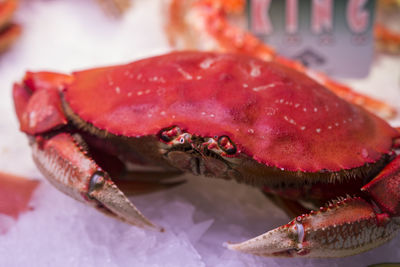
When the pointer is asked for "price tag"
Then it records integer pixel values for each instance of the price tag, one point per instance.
(335, 37)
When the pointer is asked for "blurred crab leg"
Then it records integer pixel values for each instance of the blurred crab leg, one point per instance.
(387, 39)
(214, 30)
(228, 37)
(9, 35)
(208, 21)
(66, 165)
(7, 9)
(344, 228)
(9, 32)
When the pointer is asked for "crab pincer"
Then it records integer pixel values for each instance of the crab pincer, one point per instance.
(282, 132)
(346, 227)
(61, 156)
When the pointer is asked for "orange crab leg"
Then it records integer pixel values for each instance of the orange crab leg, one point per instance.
(387, 39)
(9, 35)
(229, 6)
(8, 32)
(214, 28)
(7, 9)
(231, 38)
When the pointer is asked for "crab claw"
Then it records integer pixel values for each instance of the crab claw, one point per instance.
(67, 166)
(343, 228)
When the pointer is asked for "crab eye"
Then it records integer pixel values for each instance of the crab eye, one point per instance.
(169, 134)
(227, 145)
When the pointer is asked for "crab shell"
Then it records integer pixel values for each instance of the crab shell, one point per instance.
(282, 126)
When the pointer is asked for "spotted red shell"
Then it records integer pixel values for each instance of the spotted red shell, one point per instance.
(276, 115)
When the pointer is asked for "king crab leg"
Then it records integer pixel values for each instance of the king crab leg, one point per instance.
(207, 22)
(342, 228)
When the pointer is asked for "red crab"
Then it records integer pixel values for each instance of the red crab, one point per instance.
(9, 32)
(221, 115)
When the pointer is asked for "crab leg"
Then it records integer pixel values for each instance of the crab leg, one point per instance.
(9, 32)
(67, 166)
(348, 227)
(342, 228)
(7, 9)
(207, 21)
(387, 39)
(9, 35)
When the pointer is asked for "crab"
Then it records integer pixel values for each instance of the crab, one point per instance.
(9, 31)
(228, 116)
(217, 25)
